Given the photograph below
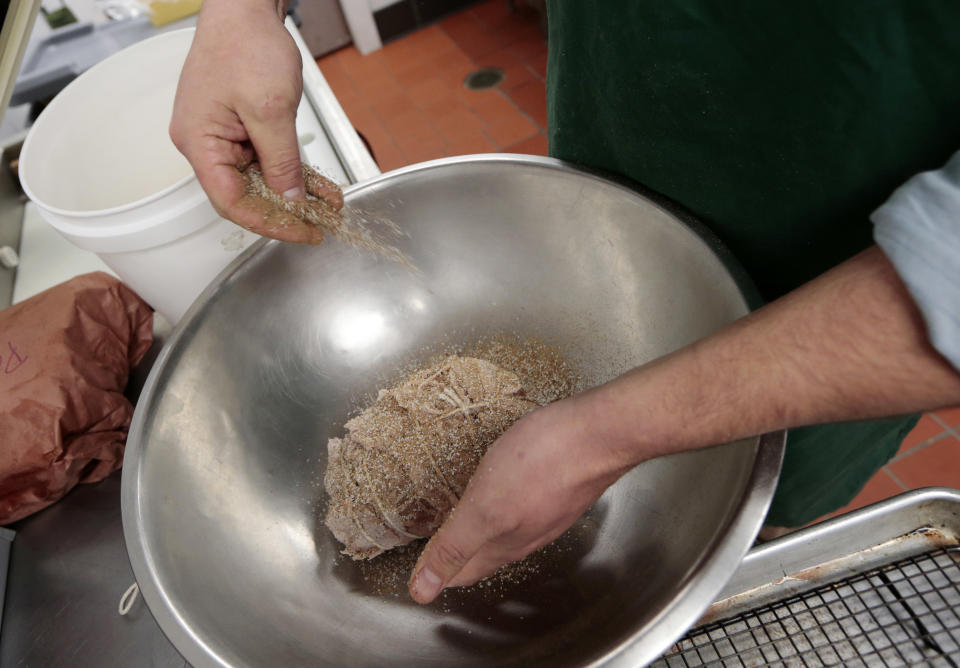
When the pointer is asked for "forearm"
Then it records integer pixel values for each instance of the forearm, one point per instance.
(849, 345)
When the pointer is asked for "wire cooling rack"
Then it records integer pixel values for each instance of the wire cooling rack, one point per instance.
(901, 614)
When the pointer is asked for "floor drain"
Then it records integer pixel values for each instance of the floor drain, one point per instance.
(488, 77)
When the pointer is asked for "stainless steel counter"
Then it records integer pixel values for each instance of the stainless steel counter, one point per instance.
(68, 570)
(11, 217)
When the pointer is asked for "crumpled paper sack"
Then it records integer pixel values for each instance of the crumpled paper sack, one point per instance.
(65, 355)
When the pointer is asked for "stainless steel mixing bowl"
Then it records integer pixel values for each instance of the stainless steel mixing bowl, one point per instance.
(222, 480)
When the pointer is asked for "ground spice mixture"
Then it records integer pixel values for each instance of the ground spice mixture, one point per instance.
(324, 209)
(406, 459)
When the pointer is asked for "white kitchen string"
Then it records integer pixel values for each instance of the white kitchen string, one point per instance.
(128, 599)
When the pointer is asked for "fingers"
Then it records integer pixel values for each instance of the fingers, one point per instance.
(260, 216)
(247, 157)
(508, 548)
(273, 133)
(450, 549)
(223, 183)
(323, 188)
(479, 567)
(302, 221)
(212, 158)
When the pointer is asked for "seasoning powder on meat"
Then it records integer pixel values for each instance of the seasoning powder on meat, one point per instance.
(405, 461)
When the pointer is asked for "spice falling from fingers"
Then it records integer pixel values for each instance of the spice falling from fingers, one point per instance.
(323, 211)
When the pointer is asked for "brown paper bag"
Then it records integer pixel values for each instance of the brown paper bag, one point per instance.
(65, 355)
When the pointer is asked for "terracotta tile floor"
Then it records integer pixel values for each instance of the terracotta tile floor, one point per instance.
(929, 456)
(410, 103)
(409, 99)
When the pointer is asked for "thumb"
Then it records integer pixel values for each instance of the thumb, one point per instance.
(275, 141)
(457, 541)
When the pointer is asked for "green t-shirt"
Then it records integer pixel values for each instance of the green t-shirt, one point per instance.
(782, 126)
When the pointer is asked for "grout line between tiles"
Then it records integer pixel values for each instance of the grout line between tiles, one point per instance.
(952, 430)
(936, 418)
(522, 112)
(920, 446)
(897, 480)
(388, 136)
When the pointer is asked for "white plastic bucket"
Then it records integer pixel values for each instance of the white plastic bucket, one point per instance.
(101, 167)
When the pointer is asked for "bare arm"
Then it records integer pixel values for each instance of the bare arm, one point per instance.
(850, 344)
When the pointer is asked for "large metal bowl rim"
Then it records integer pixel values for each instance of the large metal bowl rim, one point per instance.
(695, 594)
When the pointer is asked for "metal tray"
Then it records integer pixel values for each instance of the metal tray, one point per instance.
(879, 586)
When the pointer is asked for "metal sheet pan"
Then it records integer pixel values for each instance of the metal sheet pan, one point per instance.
(900, 527)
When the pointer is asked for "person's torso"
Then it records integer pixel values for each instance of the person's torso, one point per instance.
(780, 125)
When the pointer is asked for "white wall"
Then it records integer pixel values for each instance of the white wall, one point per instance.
(363, 29)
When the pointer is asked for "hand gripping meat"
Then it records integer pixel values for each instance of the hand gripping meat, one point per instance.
(406, 460)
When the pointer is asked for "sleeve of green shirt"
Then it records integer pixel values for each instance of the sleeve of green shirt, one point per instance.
(919, 230)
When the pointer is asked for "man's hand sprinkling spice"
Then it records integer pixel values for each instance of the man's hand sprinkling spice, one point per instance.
(236, 102)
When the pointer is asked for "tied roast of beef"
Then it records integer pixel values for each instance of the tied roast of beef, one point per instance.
(406, 460)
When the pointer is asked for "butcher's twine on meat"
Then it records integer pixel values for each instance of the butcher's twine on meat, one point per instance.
(406, 460)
